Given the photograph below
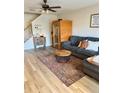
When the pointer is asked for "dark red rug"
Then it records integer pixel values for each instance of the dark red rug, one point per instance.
(68, 72)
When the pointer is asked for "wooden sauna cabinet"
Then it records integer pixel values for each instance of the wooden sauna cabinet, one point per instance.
(61, 31)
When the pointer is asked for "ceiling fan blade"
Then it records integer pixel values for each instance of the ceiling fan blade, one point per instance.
(51, 10)
(55, 7)
(35, 7)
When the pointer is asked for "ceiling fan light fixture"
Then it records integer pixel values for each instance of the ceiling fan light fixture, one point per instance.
(43, 11)
(45, 8)
(47, 11)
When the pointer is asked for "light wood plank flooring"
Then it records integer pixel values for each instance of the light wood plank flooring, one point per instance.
(39, 79)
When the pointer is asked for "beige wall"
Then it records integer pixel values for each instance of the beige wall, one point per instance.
(81, 21)
(28, 18)
(44, 26)
(44, 23)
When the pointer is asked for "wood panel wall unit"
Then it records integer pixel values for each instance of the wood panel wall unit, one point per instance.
(61, 31)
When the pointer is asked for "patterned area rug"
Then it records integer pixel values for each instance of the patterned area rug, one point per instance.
(68, 72)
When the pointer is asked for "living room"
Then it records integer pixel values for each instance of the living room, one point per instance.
(64, 44)
(61, 65)
(79, 28)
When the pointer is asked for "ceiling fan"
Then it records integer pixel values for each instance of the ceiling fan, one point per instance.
(45, 7)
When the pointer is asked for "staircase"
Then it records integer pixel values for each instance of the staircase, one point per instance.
(28, 29)
(28, 33)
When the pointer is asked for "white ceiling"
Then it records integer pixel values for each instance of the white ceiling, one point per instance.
(67, 5)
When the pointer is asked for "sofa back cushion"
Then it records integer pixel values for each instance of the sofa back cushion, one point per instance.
(93, 45)
(83, 44)
(91, 38)
(75, 40)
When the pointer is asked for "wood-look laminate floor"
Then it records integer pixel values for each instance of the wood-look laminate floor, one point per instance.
(39, 79)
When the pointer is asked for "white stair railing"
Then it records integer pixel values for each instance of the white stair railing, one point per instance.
(28, 33)
(28, 30)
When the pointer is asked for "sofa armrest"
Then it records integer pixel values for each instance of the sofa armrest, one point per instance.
(90, 66)
(92, 53)
(87, 52)
(91, 70)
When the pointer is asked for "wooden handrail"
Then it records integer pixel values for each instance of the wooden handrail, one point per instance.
(27, 27)
(30, 22)
(31, 33)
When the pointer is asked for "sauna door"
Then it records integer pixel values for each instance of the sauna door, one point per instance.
(56, 34)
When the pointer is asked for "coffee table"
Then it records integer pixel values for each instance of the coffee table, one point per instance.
(62, 55)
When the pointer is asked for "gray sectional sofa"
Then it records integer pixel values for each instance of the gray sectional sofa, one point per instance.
(91, 69)
(72, 45)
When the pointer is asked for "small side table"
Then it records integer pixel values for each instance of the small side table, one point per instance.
(39, 41)
(62, 55)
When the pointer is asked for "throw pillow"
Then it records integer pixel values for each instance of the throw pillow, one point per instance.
(74, 41)
(94, 60)
(93, 45)
(79, 43)
(83, 44)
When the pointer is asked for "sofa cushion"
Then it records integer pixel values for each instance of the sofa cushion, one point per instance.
(70, 47)
(92, 67)
(91, 38)
(83, 44)
(93, 60)
(92, 46)
(75, 40)
(66, 43)
(86, 52)
(73, 48)
(66, 46)
(80, 43)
